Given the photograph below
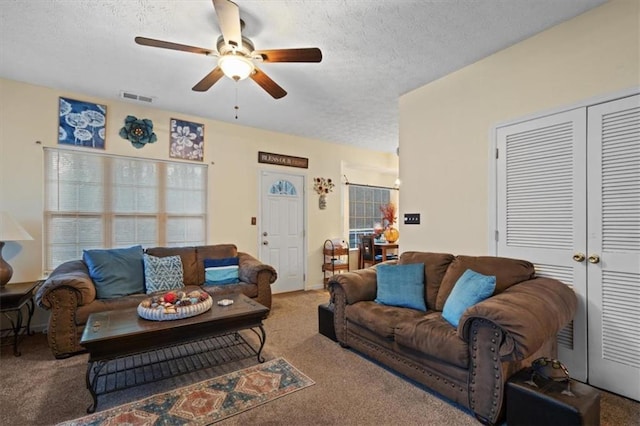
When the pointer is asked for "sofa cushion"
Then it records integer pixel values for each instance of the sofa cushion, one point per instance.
(190, 275)
(507, 272)
(379, 319)
(115, 272)
(162, 273)
(435, 266)
(470, 289)
(401, 285)
(131, 301)
(221, 271)
(248, 289)
(434, 337)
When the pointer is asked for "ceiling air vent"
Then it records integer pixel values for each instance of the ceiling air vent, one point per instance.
(134, 97)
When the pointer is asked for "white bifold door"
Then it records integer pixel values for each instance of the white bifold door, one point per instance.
(568, 200)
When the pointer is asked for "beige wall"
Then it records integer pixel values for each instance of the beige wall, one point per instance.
(29, 113)
(445, 125)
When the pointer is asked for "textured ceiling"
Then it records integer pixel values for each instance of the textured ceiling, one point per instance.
(374, 51)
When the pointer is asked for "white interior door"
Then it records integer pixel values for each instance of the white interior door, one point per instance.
(614, 246)
(541, 211)
(282, 228)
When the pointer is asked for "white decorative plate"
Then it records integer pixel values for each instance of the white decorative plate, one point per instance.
(157, 314)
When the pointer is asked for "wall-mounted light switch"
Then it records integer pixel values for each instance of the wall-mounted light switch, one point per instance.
(253, 220)
(412, 218)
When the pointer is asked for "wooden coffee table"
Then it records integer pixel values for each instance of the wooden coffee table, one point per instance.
(126, 350)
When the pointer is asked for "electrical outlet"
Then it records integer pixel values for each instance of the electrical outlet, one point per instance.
(412, 218)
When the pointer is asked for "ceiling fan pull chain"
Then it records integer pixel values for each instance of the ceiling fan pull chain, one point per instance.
(236, 107)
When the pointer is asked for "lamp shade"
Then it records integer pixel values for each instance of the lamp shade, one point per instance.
(236, 67)
(10, 230)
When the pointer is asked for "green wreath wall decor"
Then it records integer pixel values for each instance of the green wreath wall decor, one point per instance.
(138, 132)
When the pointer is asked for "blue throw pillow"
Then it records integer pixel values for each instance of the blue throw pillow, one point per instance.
(162, 273)
(471, 288)
(115, 272)
(401, 285)
(221, 271)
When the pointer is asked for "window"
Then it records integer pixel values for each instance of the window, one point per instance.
(103, 201)
(364, 210)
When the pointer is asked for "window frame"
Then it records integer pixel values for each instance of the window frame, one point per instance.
(107, 214)
(354, 233)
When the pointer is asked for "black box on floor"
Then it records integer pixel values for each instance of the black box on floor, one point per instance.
(546, 404)
(325, 321)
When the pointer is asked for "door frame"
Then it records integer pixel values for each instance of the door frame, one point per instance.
(305, 234)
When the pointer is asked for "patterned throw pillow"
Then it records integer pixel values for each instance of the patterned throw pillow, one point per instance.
(221, 271)
(162, 273)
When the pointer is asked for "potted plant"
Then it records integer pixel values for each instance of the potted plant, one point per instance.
(389, 216)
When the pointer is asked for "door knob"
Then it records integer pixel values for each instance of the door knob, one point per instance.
(579, 257)
(594, 258)
(264, 234)
(265, 243)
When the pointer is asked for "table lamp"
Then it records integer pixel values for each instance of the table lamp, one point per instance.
(10, 230)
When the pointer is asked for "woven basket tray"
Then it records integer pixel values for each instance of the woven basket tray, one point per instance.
(155, 314)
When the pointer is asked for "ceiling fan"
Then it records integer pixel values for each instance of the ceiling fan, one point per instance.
(236, 54)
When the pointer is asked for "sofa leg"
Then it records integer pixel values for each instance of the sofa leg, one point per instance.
(63, 356)
(483, 420)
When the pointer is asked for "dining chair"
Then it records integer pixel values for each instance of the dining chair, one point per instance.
(367, 252)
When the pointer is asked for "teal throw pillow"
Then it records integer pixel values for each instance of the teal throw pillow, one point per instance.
(221, 271)
(471, 288)
(116, 272)
(401, 285)
(162, 273)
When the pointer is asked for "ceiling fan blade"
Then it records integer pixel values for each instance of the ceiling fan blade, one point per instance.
(209, 80)
(173, 46)
(267, 84)
(229, 19)
(310, 54)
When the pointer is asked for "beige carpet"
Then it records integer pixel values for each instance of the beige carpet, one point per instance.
(36, 389)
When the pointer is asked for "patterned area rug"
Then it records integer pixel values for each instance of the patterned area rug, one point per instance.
(208, 401)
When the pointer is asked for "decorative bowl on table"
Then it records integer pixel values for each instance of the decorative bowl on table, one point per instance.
(175, 305)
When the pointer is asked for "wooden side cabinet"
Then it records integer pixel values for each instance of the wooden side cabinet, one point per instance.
(335, 259)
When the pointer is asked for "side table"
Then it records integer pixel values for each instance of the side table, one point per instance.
(13, 297)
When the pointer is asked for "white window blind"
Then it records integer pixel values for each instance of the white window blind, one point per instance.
(364, 210)
(101, 201)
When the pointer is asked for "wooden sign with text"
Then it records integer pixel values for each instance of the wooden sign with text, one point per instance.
(283, 160)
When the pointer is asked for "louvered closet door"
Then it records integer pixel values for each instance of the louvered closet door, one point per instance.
(541, 209)
(614, 237)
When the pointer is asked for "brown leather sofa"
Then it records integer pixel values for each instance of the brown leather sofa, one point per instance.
(494, 339)
(70, 293)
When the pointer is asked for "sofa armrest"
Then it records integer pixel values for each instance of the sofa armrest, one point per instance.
(529, 314)
(349, 288)
(250, 268)
(73, 275)
(357, 285)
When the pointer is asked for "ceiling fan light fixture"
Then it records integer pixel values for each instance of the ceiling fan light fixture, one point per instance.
(236, 67)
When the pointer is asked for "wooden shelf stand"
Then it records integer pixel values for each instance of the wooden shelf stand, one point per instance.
(335, 259)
